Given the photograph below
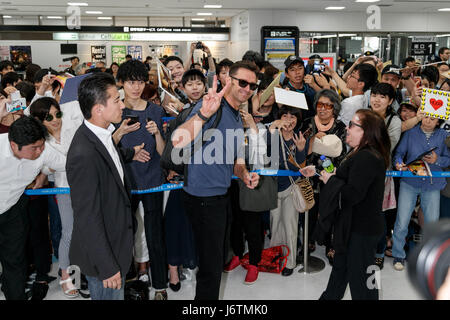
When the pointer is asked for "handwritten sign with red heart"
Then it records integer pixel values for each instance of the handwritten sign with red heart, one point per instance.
(436, 104)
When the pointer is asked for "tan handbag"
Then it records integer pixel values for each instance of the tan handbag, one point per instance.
(301, 190)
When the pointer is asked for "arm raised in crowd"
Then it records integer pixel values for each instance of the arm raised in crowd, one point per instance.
(187, 132)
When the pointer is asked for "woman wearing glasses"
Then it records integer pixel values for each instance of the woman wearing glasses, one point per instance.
(61, 131)
(292, 152)
(327, 105)
(357, 186)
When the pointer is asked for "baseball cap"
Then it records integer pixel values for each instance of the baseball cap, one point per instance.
(369, 53)
(342, 60)
(315, 56)
(392, 69)
(291, 59)
(409, 101)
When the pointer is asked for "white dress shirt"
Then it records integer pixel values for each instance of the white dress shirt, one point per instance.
(16, 174)
(105, 136)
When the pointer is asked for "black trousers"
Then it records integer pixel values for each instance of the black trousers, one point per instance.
(210, 218)
(352, 267)
(154, 235)
(39, 246)
(13, 237)
(245, 223)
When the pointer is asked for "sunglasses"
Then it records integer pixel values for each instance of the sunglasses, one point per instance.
(351, 124)
(326, 106)
(244, 84)
(49, 117)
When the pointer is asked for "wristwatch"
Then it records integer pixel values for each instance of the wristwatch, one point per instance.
(201, 116)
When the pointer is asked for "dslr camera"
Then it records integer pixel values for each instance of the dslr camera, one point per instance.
(429, 262)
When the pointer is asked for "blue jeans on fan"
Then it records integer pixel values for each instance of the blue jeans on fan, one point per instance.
(429, 201)
(55, 222)
(98, 292)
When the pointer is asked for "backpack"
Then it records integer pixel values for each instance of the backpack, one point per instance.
(166, 157)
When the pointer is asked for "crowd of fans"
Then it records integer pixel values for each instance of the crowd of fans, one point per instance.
(167, 250)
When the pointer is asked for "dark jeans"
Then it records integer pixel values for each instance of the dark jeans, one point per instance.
(210, 218)
(39, 248)
(55, 222)
(13, 237)
(98, 292)
(154, 234)
(351, 267)
(245, 223)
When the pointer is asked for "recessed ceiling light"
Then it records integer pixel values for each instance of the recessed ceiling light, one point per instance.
(104, 18)
(367, 0)
(212, 6)
(444, 9)
(204, 14)
(94, 12)
(334, 8)
(198, 19)
(78, 4)
(54, 17)
(7, 17)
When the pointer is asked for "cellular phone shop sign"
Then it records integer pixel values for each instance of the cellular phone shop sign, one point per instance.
(423, 45)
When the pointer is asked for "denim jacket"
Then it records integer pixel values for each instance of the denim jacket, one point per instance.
(413, 143)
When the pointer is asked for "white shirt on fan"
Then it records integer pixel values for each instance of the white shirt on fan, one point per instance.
(16, 174)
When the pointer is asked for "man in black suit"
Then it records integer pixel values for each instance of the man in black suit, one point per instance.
(102, 238)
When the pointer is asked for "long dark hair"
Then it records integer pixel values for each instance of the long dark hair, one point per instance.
(375, 135)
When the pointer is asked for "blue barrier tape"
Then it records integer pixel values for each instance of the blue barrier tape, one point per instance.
(264, 172)
(167, 119)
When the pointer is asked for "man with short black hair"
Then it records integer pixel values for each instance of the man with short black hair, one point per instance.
(363, 77)
(10, 80)
(102, 237)
(444, 54)
(206, 189)
(5, 67)
(128, 57)
(23, 154)
(295, 73)
(74, 61)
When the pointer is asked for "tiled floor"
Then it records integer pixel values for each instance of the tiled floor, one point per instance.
(395, 285)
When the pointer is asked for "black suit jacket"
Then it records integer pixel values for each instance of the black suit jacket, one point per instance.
(102, 237)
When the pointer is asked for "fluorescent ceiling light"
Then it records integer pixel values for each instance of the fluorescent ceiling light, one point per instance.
(198, 19)
(367, 0)
(94, 12)
(212, 6)
(7, 17)
(78, 4)
(104, 18)
(347, 35)
(204, 14)
(334, 8)
(54, 17)
(444, 9)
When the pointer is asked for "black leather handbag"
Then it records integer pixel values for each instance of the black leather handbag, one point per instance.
(263, 198)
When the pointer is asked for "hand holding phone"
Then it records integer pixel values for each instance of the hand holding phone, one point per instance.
(133, 120)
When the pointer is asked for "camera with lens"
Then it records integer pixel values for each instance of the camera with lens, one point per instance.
(429, 262)
(199, 45)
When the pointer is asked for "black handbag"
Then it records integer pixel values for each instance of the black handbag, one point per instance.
(263, 198)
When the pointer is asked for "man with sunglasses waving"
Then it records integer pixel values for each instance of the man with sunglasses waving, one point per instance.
(205, 195)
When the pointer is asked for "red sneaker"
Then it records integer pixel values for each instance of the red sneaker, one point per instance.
(233, 264)
(252, 274)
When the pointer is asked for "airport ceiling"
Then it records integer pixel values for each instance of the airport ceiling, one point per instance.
(191, 8)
